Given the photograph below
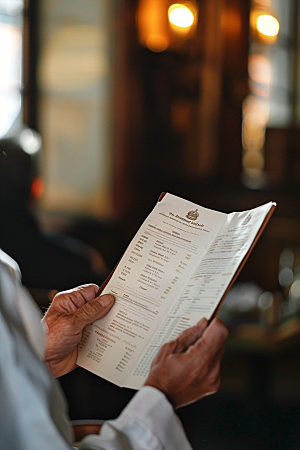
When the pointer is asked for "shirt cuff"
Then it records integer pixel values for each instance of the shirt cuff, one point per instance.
(149, 422)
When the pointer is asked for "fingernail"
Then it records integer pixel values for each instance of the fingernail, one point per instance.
(106, 300)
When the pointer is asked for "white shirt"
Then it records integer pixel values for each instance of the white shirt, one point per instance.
(32, 408)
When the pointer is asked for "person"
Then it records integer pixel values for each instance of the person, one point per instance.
(52, 261)
(32, 410)
(24, 238)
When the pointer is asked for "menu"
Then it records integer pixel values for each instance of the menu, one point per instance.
(177, 269)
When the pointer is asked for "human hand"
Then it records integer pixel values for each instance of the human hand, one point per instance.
(188, 368)
(68, 314)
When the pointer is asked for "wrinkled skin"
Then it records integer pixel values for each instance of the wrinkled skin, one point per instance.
(188, 368)
(68, 314)
(185, 369)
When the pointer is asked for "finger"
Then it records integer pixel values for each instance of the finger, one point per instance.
(179, 345)
(202, 325)
(190, 336)
(73, 299)
(212, 341)
(83, 294)
(93, 310)
(216, 332)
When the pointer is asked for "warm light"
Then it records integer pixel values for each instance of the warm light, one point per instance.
(253, 160)
(37, 188)
(267, 25)
(265, 3)
(255, 105)
(255, 117)
(157, 43)
(153, 24)
(259, 68)
(180, 16)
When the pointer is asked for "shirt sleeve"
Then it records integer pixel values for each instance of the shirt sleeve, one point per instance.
(32, 408)
(147, 423)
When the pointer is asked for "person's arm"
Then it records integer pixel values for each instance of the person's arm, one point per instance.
(148, 422)
(184, 370)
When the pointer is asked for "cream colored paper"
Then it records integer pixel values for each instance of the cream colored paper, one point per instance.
(174, 272)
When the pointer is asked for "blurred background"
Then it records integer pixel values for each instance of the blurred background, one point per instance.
(104, 104)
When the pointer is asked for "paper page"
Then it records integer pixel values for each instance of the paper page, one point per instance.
(207, 284)
(153, 271)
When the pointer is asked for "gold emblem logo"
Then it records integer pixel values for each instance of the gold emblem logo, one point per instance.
(192, 215)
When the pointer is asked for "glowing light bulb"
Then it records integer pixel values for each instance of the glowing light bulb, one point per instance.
(267, 25)
(180, 16)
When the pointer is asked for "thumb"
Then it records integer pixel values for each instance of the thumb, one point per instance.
(93, 310)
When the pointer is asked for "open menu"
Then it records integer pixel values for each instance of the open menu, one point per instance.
(177, 269)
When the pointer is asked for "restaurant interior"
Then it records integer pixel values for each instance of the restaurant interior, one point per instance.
(106, 104)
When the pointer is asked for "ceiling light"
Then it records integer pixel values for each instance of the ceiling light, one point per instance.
(180, 16)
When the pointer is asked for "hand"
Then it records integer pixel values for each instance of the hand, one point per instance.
(189, 367)
(68, 314)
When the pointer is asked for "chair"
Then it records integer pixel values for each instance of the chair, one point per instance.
(82, 428)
